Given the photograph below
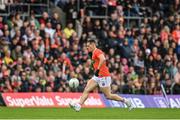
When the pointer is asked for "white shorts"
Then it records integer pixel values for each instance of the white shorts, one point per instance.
(103, 81)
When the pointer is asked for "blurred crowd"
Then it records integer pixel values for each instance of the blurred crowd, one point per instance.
(39, 55)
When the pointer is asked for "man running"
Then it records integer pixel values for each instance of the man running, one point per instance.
(101, 78)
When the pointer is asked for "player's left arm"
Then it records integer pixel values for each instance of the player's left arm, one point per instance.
(102, 59)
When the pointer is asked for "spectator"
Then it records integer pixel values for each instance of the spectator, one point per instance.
(38, 55)
(16, 53)
(1, 23)
(69, 30)
(176, 33)
(34, 20)
(126, 50)
(49, 30)
(7, 59)
(176, 87)
(45, 18)
(18, 20)
(55, 20)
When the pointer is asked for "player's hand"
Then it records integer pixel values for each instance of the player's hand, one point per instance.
(97, 73)
(90, 54)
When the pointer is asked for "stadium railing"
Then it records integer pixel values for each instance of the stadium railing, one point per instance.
(23, 8)
(128, 18)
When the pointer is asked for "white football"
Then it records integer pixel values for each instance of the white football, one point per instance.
(73, 83)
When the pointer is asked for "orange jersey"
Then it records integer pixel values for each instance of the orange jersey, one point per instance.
(103, 71)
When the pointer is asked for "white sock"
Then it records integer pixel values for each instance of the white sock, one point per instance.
(125, 100)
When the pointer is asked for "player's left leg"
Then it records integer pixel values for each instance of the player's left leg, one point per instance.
(89, 87)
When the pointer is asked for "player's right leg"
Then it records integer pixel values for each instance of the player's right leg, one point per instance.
(89, 87)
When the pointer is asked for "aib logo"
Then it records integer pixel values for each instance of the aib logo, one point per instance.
(160, 102)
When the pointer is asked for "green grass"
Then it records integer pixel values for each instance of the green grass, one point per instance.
(87, 113)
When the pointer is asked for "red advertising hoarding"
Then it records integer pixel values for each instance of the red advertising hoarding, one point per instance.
(49, 99)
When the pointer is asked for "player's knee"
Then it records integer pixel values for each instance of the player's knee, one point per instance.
(108, 96)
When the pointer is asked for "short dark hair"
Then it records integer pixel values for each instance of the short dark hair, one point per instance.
(91, 41)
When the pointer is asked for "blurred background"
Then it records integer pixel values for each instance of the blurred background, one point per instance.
(42, 44)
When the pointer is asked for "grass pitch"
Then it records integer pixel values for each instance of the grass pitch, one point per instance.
(87, 113)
